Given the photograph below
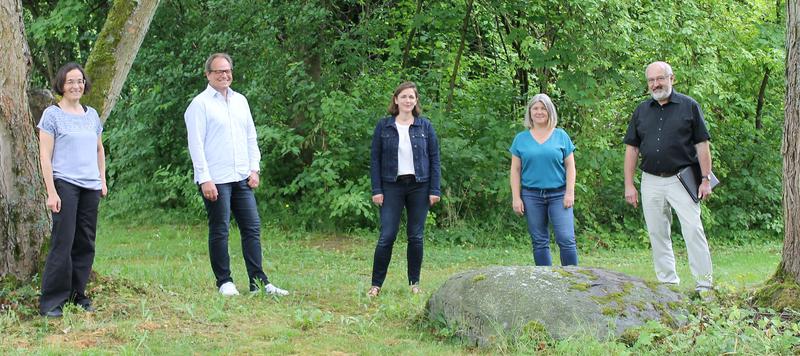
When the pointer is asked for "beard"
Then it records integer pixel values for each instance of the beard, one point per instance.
(660, 94)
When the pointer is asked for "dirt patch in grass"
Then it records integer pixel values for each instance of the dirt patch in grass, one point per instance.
(336, 243)
(67, 339)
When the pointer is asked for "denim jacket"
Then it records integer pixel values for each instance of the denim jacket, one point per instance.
(424, 146)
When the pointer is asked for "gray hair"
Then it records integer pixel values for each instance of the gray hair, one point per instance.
(664, 65)
(552, 117)
(214, 56)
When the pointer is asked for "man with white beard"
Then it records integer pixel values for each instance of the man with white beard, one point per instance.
(669, 133)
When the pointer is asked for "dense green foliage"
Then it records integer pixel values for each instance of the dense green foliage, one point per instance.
(318, 74)
(60, 32)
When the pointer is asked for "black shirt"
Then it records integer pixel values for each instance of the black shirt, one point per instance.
(666, 134)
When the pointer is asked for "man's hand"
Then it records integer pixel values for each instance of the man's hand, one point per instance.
(632, 196)
(377, 199)
(209, 190)
(433, 199)
(704, 190)
(253, 180)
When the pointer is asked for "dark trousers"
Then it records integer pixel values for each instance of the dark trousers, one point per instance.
(413, 197)
(236, 197)
(69, 262)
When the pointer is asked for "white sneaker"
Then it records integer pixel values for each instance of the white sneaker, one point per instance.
(272, 289)
(228, 289)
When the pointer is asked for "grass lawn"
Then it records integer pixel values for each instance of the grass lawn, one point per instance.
(155, 294)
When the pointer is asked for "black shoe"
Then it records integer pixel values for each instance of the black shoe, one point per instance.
(55, 313)
(87, 307)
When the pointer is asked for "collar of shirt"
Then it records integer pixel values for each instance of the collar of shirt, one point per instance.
(674, 97)
(210, 91)
(393, 120)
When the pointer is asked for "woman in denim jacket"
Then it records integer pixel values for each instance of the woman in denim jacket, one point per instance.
(405, 173)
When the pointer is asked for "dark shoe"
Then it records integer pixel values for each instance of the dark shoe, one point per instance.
(55, 313)
(87, 307)
(705, 294)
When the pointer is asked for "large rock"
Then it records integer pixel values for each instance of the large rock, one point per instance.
(493, 302)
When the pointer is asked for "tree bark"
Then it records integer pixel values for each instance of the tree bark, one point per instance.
(791, 145)
(114, 51)
(24, 222)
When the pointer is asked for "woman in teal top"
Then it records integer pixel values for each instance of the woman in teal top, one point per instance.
(543, 181)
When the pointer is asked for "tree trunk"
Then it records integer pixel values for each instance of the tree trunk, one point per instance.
(114, 51)
(411, 35)
(791, 145)
(521, 73)
(24, 222)
(782, 290)
(760, 102)
(464, 28)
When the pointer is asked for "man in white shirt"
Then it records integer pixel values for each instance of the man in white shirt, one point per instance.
(225, 156)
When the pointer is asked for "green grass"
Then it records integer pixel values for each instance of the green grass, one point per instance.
(155, 295)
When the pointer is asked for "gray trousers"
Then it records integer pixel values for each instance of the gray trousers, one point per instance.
(659, 196)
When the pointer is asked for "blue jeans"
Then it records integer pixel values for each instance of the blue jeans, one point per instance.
(543, 207)
(236, 197)
(412, 196)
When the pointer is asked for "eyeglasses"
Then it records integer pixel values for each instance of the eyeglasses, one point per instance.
(660, 79)
(220, 71)
(77, 82)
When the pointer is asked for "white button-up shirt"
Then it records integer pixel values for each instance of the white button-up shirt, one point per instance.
(222, 137)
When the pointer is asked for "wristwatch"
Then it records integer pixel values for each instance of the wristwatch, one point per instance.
(708, 178)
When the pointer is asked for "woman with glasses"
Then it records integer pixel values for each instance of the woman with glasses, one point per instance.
(543, 181)
(73, 165)
(405, 174)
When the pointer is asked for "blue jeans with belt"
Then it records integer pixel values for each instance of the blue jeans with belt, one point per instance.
(413, 196)
(542, 208)
(236, 197)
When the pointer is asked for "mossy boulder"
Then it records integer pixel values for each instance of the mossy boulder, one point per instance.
(485, 304)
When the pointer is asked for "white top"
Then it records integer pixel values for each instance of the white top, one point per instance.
(222, 137)
(405, 157)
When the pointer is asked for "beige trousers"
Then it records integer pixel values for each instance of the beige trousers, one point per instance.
(658, 195)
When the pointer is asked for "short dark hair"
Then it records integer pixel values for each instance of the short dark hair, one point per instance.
(394, 110)
(61, 78)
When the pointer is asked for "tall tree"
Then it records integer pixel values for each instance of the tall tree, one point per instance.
(23, 219)
(791, 145)
(782, 290)
(115, 49)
